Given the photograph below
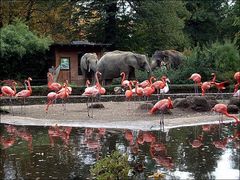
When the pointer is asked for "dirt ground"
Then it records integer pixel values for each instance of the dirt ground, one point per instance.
(113, 115)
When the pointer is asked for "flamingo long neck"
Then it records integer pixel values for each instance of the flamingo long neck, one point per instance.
(150, 80)
(130, 86)
(232, 116)
(123, 76)
(50, 79)
(214, 78)
(87, 83)
(97, 83)
(14, 88)
(29, 86)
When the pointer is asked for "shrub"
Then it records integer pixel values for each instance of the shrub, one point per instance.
(114, 166)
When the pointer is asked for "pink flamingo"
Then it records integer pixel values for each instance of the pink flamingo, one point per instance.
(124, 82)
(197, 81)
(222, 108)
(161, 84)
(162, 106)
(237, 78)
(221, 85)
(53, 85)
(92, 91)
(62, 94)
(205, 86)
(9, 92)
(144, 83)
(26, 92)
(149, 90)
(129, 94)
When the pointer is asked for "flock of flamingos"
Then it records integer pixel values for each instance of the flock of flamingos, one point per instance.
(145, 88)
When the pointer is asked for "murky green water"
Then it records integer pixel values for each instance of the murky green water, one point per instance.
(200, 152)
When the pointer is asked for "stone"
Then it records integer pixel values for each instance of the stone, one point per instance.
(232, 109)
(235, 101)
(181, 103)
(145, 106)
(96, 106)
(199, 103)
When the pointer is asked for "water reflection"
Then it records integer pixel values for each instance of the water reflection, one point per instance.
(199, 152)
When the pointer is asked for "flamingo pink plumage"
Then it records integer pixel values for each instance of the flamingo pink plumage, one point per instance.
(8, 91)
(222, 108)
(197, 81)
(124, 81)
(26, 92)
(53, 85)
(237, 78)
(162, 105)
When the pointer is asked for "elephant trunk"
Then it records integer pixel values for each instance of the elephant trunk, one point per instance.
(148, 69)
(92, 67)
(154, 65)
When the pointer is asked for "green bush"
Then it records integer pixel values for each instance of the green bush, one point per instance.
(114, 166)
(221, 58)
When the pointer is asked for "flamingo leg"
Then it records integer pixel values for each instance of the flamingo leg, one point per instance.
(11, 106)
(161, 123)
(92, 108)
(88, 106)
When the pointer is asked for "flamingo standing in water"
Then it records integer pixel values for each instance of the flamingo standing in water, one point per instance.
(197, 81)
(162, 106)
(26, 92)
(53, 85)
(8, 91)
(237, 78)
(222, 108)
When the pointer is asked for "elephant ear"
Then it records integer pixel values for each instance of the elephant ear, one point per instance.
(141, 60)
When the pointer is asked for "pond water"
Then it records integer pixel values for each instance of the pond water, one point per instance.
(197, 152)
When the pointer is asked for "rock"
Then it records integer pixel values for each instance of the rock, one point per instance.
(96, 105)
(199, 103)
(145, 106)
(235, 101)
(232, 109)
(181, 103)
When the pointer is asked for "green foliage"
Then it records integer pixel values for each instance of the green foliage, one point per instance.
(22, 52)
(17, 40)
(222, 58)
(114, 166)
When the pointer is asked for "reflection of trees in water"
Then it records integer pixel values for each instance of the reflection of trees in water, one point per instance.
(199, 162)
(74, 160)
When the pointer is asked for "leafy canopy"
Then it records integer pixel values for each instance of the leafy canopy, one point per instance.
(17, 41)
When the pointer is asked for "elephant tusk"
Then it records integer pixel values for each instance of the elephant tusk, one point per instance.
(89, 69)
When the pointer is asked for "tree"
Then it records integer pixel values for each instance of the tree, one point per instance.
(48, 18)
(21, 49)
(160, 24)
(212, 20)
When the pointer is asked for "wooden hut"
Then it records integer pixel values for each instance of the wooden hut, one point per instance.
(66, 59)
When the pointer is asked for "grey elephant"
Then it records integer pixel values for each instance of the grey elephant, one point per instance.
(169, 58)
(111, 64)
(89, 66)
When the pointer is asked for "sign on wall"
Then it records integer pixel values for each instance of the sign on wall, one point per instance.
(65, 63)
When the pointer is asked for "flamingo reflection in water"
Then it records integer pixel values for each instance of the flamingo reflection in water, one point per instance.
(59, 132)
